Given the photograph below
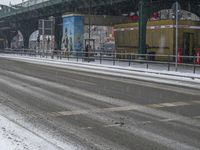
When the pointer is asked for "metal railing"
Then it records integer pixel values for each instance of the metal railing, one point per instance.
(148, 61)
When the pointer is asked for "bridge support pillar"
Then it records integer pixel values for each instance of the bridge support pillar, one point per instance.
(8, 36)
(58, 32)
(144, 11)
(26, 37)
(27, 28)
(9, 42)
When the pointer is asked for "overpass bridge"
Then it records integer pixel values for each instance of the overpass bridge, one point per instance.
(43, 8)
(25, 16)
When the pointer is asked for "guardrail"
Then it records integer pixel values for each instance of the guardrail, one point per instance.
(167, 62)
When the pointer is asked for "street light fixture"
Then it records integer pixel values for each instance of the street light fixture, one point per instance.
(176, 36)
(176, 9)
(89, 34)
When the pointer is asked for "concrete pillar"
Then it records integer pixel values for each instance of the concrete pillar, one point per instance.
(8, 36)
(26, 32)
(26, 39)
(27, 28)
(58, 32)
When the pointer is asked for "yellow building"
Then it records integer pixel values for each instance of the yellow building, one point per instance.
(160, 37)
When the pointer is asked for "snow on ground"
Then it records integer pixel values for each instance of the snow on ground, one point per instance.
(16, 133)
(15, 137)
(159, 75)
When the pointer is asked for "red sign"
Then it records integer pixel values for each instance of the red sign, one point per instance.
(198, 56)
(180, 55)
(134, 18)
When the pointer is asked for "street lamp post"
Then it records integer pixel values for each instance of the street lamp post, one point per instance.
(177, 9)
(89, 34)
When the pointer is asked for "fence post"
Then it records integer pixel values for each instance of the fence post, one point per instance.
(147, 65)
(130, 60)
(88, 56)
(82, 55)
(168, 63)
(100, 58)
(147, 61)
(176, 65)
(194, 65)
(114, 60)
(61, 55)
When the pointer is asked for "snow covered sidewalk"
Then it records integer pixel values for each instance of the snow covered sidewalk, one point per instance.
(15, 137)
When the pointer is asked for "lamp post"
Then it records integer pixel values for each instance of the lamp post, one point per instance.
(89, 34)
(176, 8)
(176, 36)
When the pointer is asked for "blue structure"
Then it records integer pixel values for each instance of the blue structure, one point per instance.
(73, 32)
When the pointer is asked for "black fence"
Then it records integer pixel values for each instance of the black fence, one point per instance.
(166, 62)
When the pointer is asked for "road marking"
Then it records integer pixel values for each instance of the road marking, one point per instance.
(196, 102)
(168, 120)
(168, 104)
(155, 105)
(116, 109)
(173, 104)
(99, 110)
(87, 128)
(181, 103)
(112, 125)
(104, 126)
(196, 117)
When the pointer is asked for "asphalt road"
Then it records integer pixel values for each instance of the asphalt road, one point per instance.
(98, 111)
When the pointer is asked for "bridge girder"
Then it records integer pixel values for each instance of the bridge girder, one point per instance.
(5, 9)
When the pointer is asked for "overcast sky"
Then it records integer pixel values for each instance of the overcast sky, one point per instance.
(6, 2)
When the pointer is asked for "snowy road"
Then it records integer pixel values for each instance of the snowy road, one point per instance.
(47, 107)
